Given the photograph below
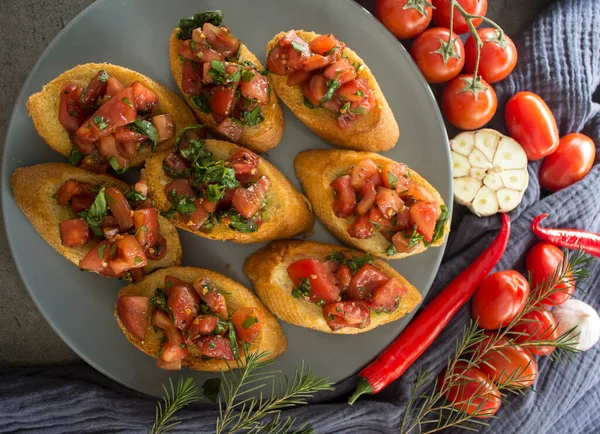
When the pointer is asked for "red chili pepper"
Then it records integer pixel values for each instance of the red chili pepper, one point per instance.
(575, 239)
(427, 325)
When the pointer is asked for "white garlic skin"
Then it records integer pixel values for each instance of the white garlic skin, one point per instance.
(576, 313)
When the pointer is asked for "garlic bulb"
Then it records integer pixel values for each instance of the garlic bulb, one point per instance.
(576, 313)
(489, 171)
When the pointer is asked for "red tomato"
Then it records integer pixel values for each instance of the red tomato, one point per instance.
(464, 109)
(83, 146)
(191, 81)
(354, 91)
(113, 86)
(184, 303)
(345, 197)
(341, 70)
(362, 171)
(198, 216)
(401, 241)
(202, 325)
(325, 43)
(387, 297)
(97, 258)
(404, 21)
(247, 323)
(344, 276)
(81, 202)
(249, 200)
(165, 127)
(229, 129)
(507, 364)
(299, 77)
(144, 99)
(441, 14)
(216, 347)
(118, 205)
(133, 312)
(222, 101)
(70, 114)
(126, 135)
(499, 298)
(322, 281)
(388, 202)
(244, 163)
(129, 255)
(257, 89)
(571, 161)
(437, 66)
(531, 123)
(147, 230)
(316, 61)
(174, 347)
(424, 215)
(361, 228)
(74, 232)
(542, 261)
(347, 314)
(368, 194)
(471, 382)
(95, 89)
(395, 176)
(536, 326)
(496, 62)
(211, 296)
(366, 280)
(315, 89)
(181, 187)
(221, 40)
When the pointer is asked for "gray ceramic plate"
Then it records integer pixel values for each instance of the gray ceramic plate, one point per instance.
(135, 34)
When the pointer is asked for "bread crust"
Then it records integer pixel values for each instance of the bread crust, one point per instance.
(317, 168)
(288, 212)
(270, 339)
(33, 189)
(377, 131)
(259, 138)
(43, 106)
(267, 270)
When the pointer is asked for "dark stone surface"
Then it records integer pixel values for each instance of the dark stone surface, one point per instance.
(28, 27)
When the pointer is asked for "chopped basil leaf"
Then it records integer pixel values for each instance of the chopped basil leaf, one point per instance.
(221, 327)
(186, 130)
(247, 75)
(438, 232)
(146, 128)
(127, 101)
(391, 250)
(144, 228)
(302, 290)
(354, 264)
(332, 51)
(115, 165)
(249, 322)
(217, 70)
(233, 341)
(183, 204)
(392, 179)
(94, 215)
(215, 192)
(187, 25)
(237, 222)
(133, 195)
(332, 87)
(252, 118)
(137, 260)
(101, 251)
(211, 388)
(75, 157)
(212, 345)
(359, 92)
(101, 123)
(200, 102)
(159, 300)
(358, 66)
(235, 76)
(103, 77)
(415, 238)
(358, 110)
(301, 48)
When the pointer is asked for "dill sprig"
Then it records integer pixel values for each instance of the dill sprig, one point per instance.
(428, 410)
(174, 400)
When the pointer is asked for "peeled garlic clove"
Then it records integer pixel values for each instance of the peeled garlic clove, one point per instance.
(485, 202)
(460, 165)
(575, 314)
(465, 189)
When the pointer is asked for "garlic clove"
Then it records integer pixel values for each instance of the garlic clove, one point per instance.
(485, 202)
(508, 199)
(465, 189)
(463, 143)
(493, 181)
(510, 155)
(478, 173)
(581, 316)
(460, 165)
(486, 141)
(515, 179)
(478, 159)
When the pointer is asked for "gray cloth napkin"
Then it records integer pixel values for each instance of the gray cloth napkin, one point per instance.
(559, 60)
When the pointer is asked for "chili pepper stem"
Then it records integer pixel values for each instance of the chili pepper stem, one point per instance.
(362, 387)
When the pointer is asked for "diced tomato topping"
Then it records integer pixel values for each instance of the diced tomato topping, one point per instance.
(230, 129)
(70, 114)
(158, 251)
(81, 202)
(395, 176)
(118, 205)
(388, 202)
(127, 135)
(133, 312)
(110, 116)
(108, 148)
(221, 40)
(322, 281)
(184, 303)
(361, 228)
(344, 276)
(185, 51)
(363, 170)
(316, 89)
(144, 99)
(367, 279)
(94, 90)
(277, 61)
(247, 201)
(346, 120)
(387, 297)
(341, 70)
(326, 43)
(216, 347)
(333, 105)
(222, 101)
(147, 230)
(225, 202)
(206, 54)
(299, 77)
(97, 258)
(345, 197)
(198, 216)
(376, 179)
(191, 81)
(181, 187)
(165, 127)
(286, 57)
(316, 61)
(94, 163)
(347, 313)
(257, 89)
(418, 192)
(69, 189)
(425, 216)
(401, 241)
(211, 296)
(175, 165)
(129, 254)
(75, 232)
(208, 206)
(83, 146)
(247, 323)
(113, 86)
(127, 150)
(368, 193)
(201, 325)
(174, 348)
(354, 90)
(245, 163)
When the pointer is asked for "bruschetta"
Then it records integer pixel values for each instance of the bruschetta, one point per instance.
(102, 115)
(196, 318)
(373, 203)
(329, 288)
(224, 83)
(331, 90)
(96, 221)
(220, 191)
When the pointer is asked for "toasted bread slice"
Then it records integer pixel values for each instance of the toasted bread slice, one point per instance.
(34, 189)
(259, 138)
(288, 213)
(267, 270)
(271, 338)
(377, 131)
(43, 106)
(317, 168)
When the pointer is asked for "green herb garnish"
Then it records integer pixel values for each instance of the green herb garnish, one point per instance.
(302, 290)
(187, 25)
(94, 215)
(75, 156)
(146, 128)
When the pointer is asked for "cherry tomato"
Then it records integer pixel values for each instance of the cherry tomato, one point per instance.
(499, 298)
(571, 161)
(404, 21)
(471, 382)
(537, 325)
(465, 109)
(496, 61)
(441, 14)
(531, 123)
(542, 261)
(436, 63)
(507, 364)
